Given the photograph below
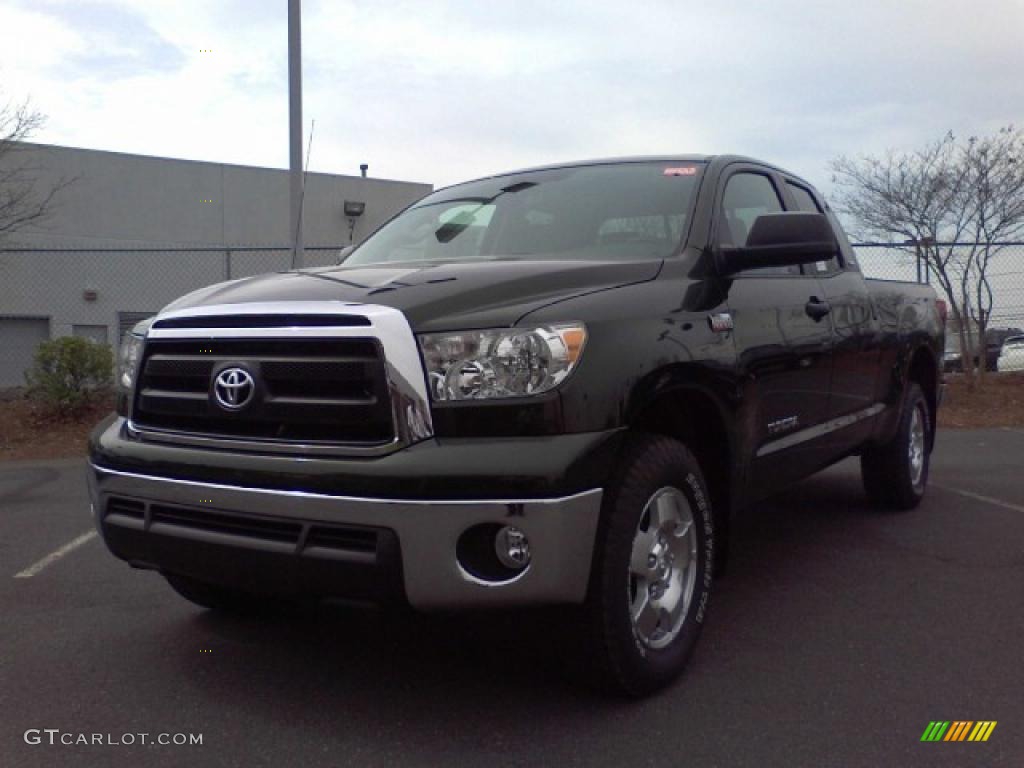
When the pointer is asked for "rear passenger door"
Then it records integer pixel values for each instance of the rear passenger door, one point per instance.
(856, 346)
(785, 354)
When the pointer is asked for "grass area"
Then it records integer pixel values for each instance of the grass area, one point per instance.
(26, 432)
(999, 403)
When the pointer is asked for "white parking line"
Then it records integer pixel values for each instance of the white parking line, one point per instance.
(56, 555)
(978, 497)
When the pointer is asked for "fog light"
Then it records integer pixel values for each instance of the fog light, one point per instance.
(512, 547)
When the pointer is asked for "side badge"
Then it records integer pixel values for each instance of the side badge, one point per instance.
(721, 322)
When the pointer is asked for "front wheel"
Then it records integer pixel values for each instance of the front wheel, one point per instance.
(895, 474)
(652, 568)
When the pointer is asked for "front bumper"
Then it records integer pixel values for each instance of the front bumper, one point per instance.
(331, 545)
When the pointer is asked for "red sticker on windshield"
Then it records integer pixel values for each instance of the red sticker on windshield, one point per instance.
(682, 170)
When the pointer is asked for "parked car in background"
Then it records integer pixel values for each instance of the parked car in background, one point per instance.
(1011, 355)
(995, 339)
(952, 358)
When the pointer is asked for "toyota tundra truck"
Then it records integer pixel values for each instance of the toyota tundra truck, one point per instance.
(547, 387)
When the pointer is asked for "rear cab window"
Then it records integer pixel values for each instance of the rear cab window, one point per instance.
(805, 202)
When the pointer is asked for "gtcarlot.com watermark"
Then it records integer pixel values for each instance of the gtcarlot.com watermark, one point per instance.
(57, 737)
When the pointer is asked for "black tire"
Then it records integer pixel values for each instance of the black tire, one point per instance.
(619, 659)
(888, 471)
(215, 597)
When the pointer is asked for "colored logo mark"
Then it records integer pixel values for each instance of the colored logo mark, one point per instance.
(958, 730)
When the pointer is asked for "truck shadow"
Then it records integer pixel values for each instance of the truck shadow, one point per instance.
(354, 666)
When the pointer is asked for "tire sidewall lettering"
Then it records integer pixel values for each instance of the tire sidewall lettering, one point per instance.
(700, 500)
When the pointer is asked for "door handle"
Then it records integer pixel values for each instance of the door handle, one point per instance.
(816, 308)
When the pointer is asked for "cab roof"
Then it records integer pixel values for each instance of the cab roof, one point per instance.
(724, 159)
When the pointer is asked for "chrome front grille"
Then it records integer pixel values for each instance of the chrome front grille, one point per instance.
(306, 390)
(355, 386)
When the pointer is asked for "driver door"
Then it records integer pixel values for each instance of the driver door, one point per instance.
(784, 354)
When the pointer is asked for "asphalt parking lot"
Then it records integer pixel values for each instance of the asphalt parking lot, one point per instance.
(839, 632)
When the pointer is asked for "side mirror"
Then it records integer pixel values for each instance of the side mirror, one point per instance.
(782, 240)
(344, 253)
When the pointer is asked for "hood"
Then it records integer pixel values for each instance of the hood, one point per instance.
(434, 297)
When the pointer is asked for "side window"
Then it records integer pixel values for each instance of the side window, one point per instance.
(747, 196)
(849, 255)
(804, 199)
(805, 202)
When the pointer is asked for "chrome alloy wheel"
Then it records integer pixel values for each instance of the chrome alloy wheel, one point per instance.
(662, 568)
(916, 447)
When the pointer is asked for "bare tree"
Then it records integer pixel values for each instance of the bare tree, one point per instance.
(950, 202)
(912, 199)
(22, 202)
(995, 194)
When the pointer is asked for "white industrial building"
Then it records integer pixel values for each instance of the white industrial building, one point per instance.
(131, 233)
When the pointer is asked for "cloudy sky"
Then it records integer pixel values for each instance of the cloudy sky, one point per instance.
(443, 90)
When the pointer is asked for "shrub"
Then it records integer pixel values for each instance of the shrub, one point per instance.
(69, 373)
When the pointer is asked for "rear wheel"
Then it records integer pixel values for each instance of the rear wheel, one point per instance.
(895, 474)
(652, 568)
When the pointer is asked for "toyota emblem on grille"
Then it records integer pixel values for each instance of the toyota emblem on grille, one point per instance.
(233, 388)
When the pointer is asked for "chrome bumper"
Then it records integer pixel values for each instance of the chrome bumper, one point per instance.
(561, 533)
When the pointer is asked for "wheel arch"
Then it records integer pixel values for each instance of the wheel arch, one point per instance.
(923, 370)
(689, 410)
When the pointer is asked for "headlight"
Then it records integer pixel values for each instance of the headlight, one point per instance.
(128, 360)
(510, 362)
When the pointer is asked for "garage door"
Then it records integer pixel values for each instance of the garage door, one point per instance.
(19, 337)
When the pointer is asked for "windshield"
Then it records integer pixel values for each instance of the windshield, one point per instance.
(610, 212)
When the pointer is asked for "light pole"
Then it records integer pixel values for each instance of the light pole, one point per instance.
(295, 127)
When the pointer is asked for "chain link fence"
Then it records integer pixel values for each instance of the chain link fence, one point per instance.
(100, 293)
(1005, 277)
(1005, 273)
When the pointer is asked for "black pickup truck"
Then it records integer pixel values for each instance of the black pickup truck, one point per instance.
(552, 386)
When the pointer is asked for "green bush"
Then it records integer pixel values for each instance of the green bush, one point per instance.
(69, 373)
